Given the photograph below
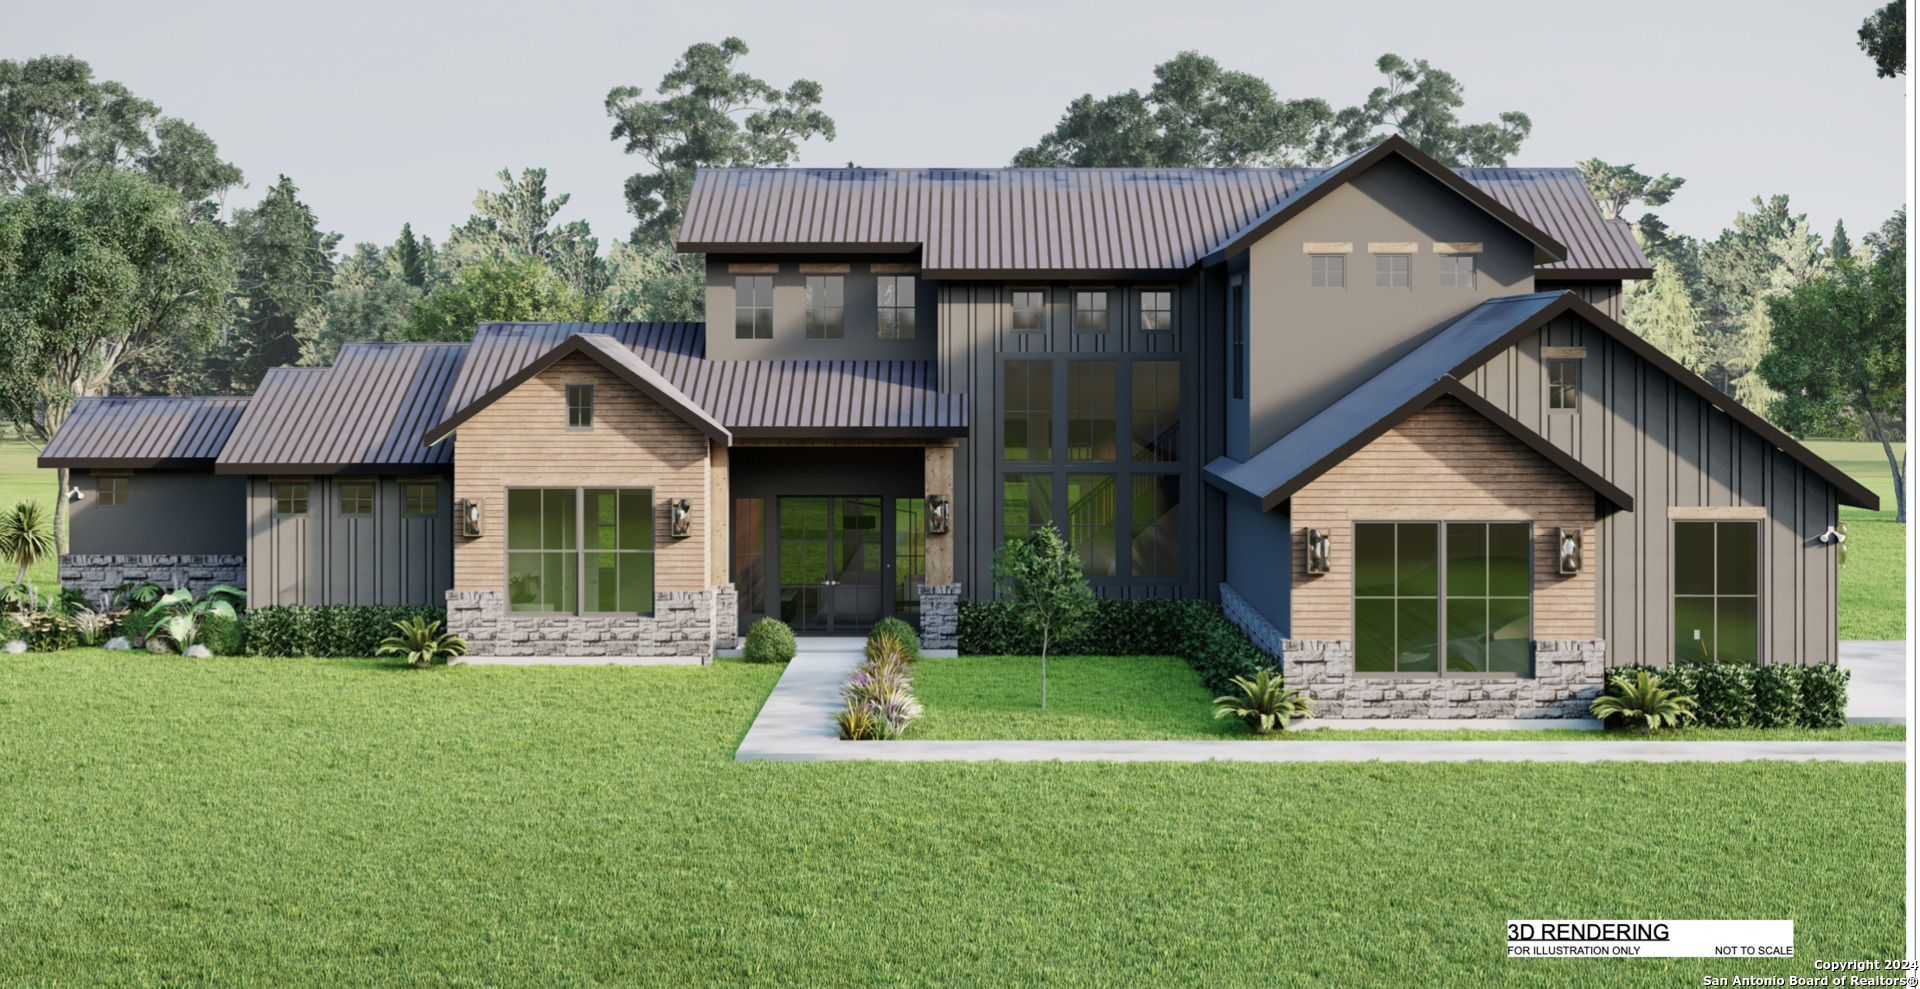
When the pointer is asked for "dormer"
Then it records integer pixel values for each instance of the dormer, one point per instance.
(851, 308)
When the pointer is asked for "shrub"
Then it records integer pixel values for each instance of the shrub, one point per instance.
(1776, 696)
(1644, 701)
(224, 636)
(421, 642)
(93, 627)
(329, 630)
(1734, 696)
(1724, 692)
(1263, 703)
(769, 641)
(1823, 696)
(899, 630)
(1196, 631)
(47, 631)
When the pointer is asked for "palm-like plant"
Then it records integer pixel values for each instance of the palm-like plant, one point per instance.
(179, 615)
(26, 535)
(422, 642)
(1264, 702)
(1644, 703)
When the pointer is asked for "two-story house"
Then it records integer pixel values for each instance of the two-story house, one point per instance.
(1383, 412)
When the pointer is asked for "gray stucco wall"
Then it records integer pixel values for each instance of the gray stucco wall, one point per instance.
(167, 513)
(861, 341)
(326, 557)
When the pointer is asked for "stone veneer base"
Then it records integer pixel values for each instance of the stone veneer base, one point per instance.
(1568, 675)
(98, 573)
(1241, 612)
(939, 616)
(685, 628)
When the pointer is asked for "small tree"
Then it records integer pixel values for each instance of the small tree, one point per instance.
(1050, 593)
(26, 536)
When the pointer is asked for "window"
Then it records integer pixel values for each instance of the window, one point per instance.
(1026, 504)
(1156, 525)
(909, 554)
(113, 492)
(1416, 593)
(356, 499)
(1090, 411)
(1090, 311)
(826, 307)
(753, 307)
(1029, 312)
(1027, 410)
(896, 307)
(1456, 271)
(579, 406)
(289, 499)
(1329, 271)
(1237, 326)
(1156, 310)
(1092, 515)
(1156, 410)
(750, 554)
(1716, 592)
(580, 550)
(422, 499)
(1563, 386)
(1392, 271)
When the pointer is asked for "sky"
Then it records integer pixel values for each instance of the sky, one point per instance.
(398, 111)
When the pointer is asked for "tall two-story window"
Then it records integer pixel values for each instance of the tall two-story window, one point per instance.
(1026, 505)
(826, 307)
(1093, 515)
(1156, 525)
(1156, 310)
(580, 550)
(1392, 271)
(896, 307)
(1026, 415)
(1090, 312)
(579, 406)
(1456, 271)
(1329, 271)
(1029, 311)
(753, 307)
(1155, 407)
(1091, 413)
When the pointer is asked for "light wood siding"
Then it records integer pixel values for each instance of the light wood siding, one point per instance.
(522, 440)
(1666, 446)
(1445, 463)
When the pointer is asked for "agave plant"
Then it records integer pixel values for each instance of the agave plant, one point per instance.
(1644, 703)
(422, 642)
(1263, 703)
(26, 535)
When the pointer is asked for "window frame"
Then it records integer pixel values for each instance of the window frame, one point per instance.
(111, 492)
(882, 308)
(818, 309)
(1237, 337)
(1758, 595)
(1441, 598)
(1392, 275)
(579, 408)
(411, 496)
(342, 499)
(581, 551)
(1162, 302)
(1451, 279)
(1334, 275)
(750, 286)
(1103, 306)
(1557, 388)
(303, 498)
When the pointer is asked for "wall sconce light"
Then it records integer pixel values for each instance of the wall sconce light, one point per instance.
(1569, 541)
(75, 494)
(1319, 551)
(939, 514)
(471, 510)
(1837, 536)
(682, 525)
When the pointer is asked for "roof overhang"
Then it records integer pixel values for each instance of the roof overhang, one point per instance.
(330, 469)
(127, 463)
(795, 247)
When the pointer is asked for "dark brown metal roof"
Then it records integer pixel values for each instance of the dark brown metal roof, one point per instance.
(1558, 202)
(126, 431)
(749, 398)
(367, 412)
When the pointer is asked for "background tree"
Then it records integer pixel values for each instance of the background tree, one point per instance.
(708, 116)
(286, 267)
(1616, 187)
(382, 312)
(1841, 246)
(1418, 103)
(499, 290)
(414, 257)
(1050, 592)
(1662, 313)
(654, 283)
(517, 222)
(1883, 36)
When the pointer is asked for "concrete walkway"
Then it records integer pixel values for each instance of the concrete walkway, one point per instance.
(1877, 690)
(796, 725)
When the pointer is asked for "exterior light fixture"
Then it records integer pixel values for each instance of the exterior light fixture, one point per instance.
(1836, 535)
(76, 494)
(1569, 552)
(1319, 551)
(470, 511)
(682, 525)
(939, 514)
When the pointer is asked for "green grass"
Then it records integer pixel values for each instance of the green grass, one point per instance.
(1873, 588)
(269, 822)
(20, 480)
(1160, 697)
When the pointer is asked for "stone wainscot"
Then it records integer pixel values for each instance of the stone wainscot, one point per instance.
(100, 573)
(1568, 675)
(686, 628)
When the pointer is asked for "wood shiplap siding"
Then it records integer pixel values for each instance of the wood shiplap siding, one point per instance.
(1667, 447)
(522, 440)
(1444, 463)
(325, 557)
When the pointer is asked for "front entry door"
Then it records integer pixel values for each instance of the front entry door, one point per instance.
(832, 568)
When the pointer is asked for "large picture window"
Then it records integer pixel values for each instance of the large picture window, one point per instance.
(1155, 406)
(1424, 589)
(1026, 416)
(1156, 525)
(580, 550)
(1093, 514)
(1090, 411)
(1716, 591)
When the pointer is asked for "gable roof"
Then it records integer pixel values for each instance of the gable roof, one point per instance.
(1084, 222)
(609, 353)
(365, 413)
(1435, 367)
(121, 431)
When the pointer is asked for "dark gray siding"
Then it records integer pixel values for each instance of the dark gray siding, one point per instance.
(186, 512)
(861, 341)
(1259, 558)
(1667, 446)
(325, 557)
(1601, 295)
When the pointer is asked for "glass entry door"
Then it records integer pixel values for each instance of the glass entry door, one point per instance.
(832, 571)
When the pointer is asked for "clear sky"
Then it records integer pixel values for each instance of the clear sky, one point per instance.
(392, 111)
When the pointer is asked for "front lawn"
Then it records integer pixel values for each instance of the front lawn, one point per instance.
(1160, 697)
(270, 822)
(1873, 587)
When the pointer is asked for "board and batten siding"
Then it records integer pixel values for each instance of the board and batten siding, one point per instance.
(1444, 463)
(326, 557)
(1662, 443)
(522, 440)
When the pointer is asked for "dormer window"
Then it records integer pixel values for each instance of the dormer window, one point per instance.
(896, 307)
(826, 307)
(753, 307)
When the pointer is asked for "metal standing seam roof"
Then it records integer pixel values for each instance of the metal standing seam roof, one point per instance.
(368, 411)
(133, 431)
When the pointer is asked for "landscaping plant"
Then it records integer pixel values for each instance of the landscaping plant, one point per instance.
(1196, 631)
(856, 723)
(26, 535)
(1264, 702)
(422, 643)
(1050, 593)
(769, 641)
(879, 693)
(1645, 702)
(92, 626)
(899, 630)
(178, 614)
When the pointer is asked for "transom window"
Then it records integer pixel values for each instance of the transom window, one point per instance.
(580, 550)
(422, 499)
(1156, 310)
(1424, 589)
(1090, 311)
(896, 307)
(579, 406)
(113, 492)
(1392, 271)
(1027, 410)
(356, 499)
(1716, 591)
(826, 307)
(1090, 411)
(1029, 311)
(289, 498)
(1456, 271)
(1563, 386)
(1156, 525)
(753, 307)
(1156, 410)
(1329, 271)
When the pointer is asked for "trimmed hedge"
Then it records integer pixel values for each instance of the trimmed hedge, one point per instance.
(328, 630)
(1196, 631)
(769, 640)
(1730, 695)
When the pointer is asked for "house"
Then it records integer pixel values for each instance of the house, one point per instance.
(1383, 412)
